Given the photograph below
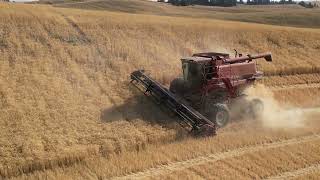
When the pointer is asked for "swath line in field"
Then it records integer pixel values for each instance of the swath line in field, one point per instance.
(295, 86)
(293, 72)
(181, 165)
(296, 173)
(62, 162)
(76, 27)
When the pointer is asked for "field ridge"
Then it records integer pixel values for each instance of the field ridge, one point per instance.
(180, 165)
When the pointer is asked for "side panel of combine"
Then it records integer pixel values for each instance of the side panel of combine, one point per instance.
(211, 80)
(237, 70)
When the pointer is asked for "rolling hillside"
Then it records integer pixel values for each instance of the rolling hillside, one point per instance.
(284, 15)
(69, 112)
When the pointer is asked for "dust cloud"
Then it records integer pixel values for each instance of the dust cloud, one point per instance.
(277, 115)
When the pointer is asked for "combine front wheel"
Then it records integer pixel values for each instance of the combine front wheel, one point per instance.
(177, 86)
(219, 114)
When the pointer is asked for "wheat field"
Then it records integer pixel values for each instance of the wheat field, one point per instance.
(68, 110)
(284, 15)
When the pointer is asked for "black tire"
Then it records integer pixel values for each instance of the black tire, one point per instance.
(177, 86)
(219, 114)
(256, 108)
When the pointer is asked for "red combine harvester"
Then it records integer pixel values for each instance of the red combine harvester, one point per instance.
(211, 88)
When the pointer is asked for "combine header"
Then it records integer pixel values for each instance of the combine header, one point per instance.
(190, 118)
(211, 88)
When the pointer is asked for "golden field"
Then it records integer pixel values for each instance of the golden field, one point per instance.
(284, 15)
(69, 112)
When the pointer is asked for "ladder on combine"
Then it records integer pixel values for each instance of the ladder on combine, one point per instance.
(189, 118)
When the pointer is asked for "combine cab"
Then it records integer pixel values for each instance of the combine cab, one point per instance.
(212, 86)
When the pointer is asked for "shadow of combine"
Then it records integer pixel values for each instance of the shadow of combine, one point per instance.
(143, 108)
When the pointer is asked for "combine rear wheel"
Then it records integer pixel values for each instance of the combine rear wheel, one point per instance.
(219, 114)
(256, 108)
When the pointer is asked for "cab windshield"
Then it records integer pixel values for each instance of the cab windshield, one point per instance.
(192, 73)
(185, 69)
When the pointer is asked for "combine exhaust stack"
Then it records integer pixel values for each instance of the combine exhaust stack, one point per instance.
(189, 118)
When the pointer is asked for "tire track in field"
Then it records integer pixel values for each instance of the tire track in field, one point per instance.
(76, 27)
(296, 173)
(181, 165)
